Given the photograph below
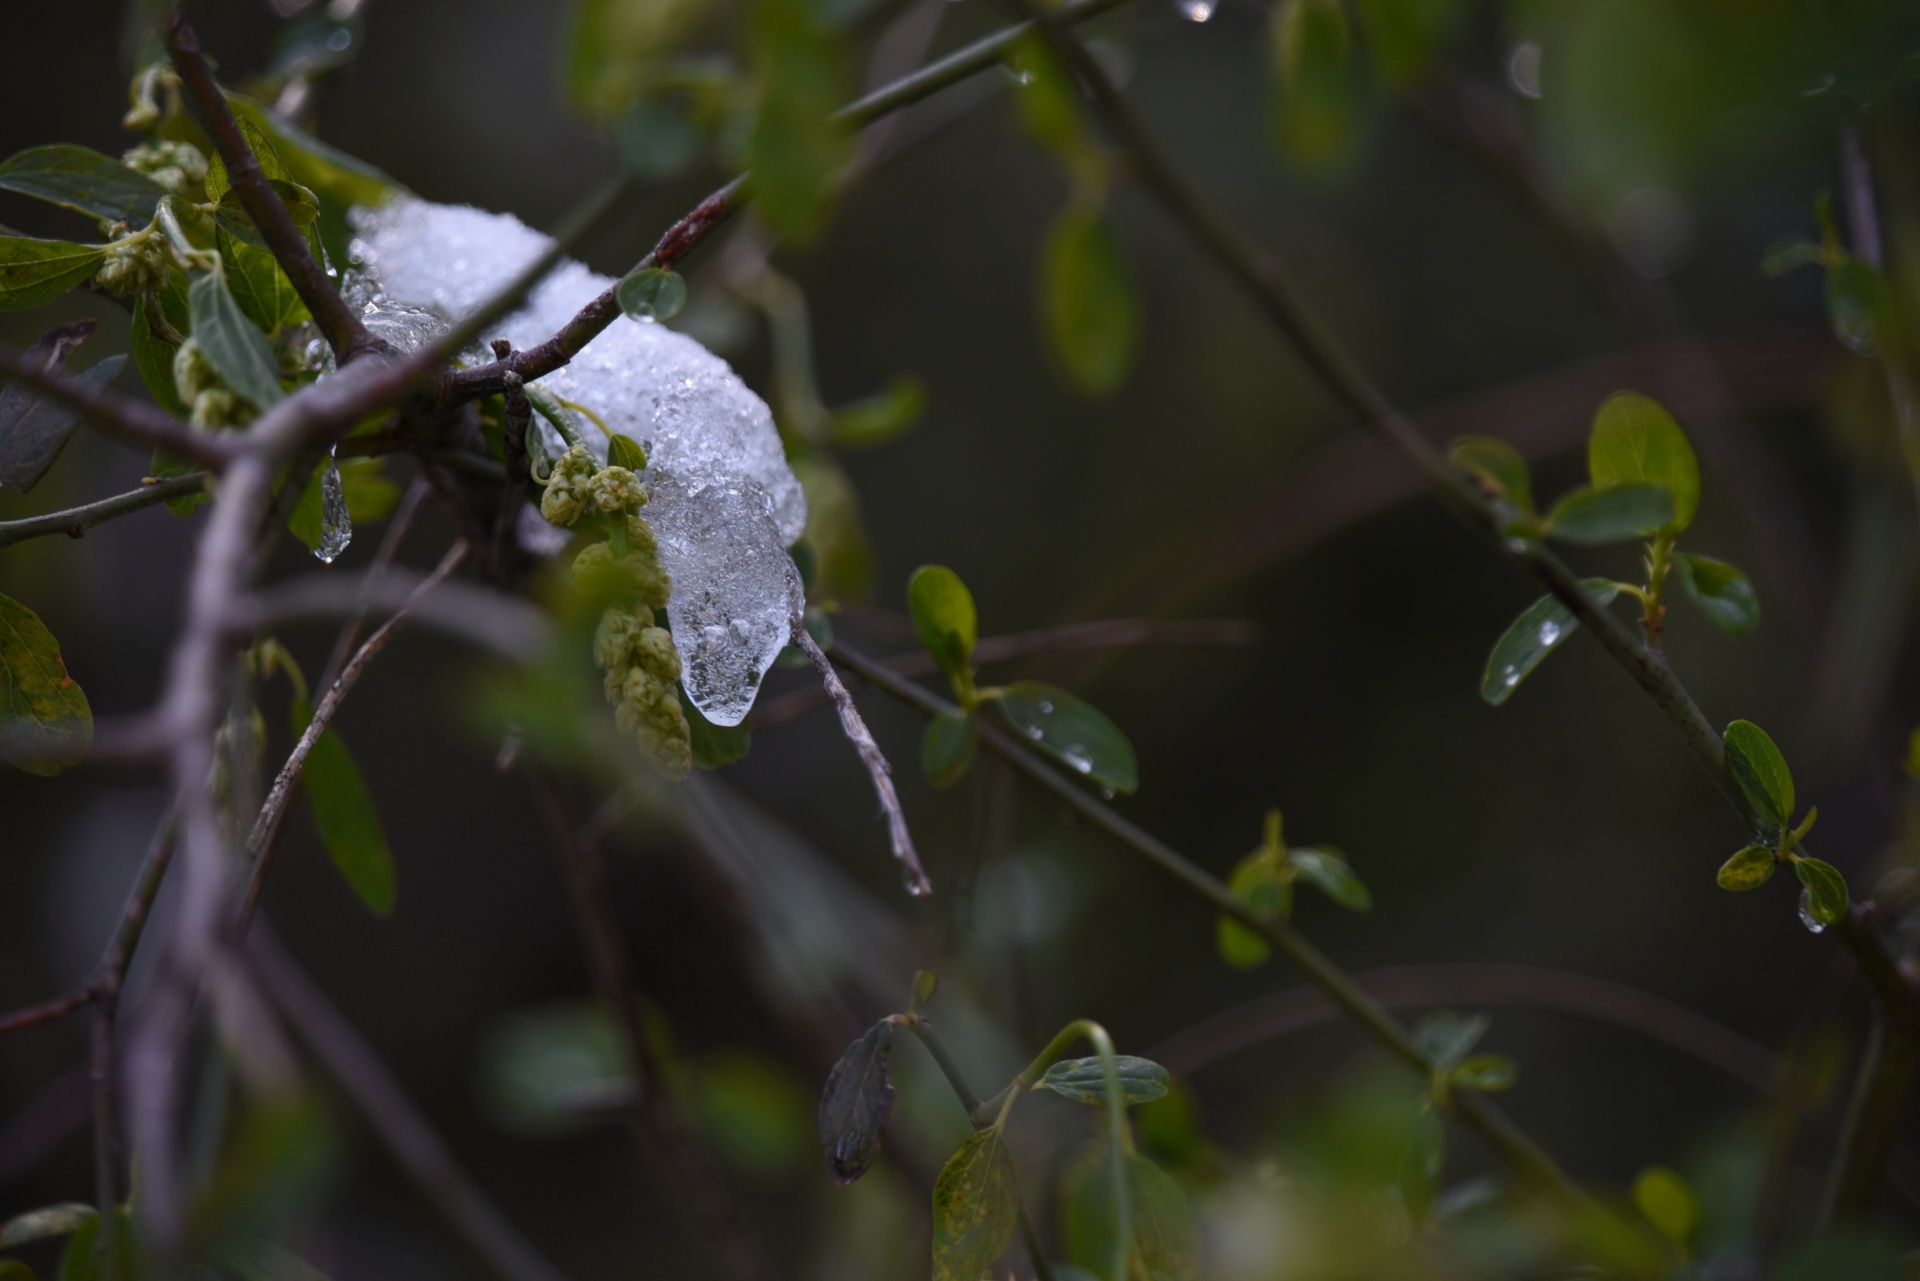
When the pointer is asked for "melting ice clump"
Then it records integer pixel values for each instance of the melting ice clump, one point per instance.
(723, 503)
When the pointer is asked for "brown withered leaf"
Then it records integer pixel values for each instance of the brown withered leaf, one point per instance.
(856, 1103)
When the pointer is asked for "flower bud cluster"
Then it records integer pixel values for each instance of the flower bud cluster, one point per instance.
(133, 267)
(641, 667)
(177, 166)
(209, 402)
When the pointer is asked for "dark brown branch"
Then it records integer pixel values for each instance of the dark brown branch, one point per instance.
(657, 1118)
(394, 1120)
(74, 522)
(1066, 638)
(47, 1011)
(336, 321)
(120, 416)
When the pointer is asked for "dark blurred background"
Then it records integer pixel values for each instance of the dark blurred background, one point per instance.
(1567, 831)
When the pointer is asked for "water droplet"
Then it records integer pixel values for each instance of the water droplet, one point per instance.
(1510, 675)
(1813, 923)
(1549, 632)
(336, 524)
(1018, 75)
(1077, 759)
(1195, 10)
(1523, 69)
(1034, 732)
(1046, 708)
(916, 886)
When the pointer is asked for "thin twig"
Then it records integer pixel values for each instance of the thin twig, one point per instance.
(260, 842)
(872, 757)
(120, 416)
(343, 330)
(394, 1120)
(75, 521)
(657, 1117)
(1066, 638)
(1519, 1152)
(46, 1011)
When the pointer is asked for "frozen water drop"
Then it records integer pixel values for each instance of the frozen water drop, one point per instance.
(1195, 10)
(1035, 732)
(1813, 923)
(1549, 632)
(336, 523)
(1078, 759)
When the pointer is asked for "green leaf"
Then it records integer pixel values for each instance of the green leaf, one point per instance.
(797, 148)
(327, 171)
(1722, 592)
(1406, 36)
(947, 748)
(1790, 254)
(1085, 1081)
(1319, 93)
(1166, 1240)
(1485, 1073)
(1826, 898)
(1048, 101)
(1087, 301)
(656, 141)
(80, 1261)
(648, 293)
(1445, 1038)
(1668, 1204)
(220, 186)
(1861, 307)
(34, 429)
(612, 46)
(715, 746)
(1542, 628)
(1328, 869)
(1760, 770)
(1751, 868)
(624, 451)
(975, 1206)
(83, 180)
(45, 722)
(344, 813)
(878, 419)
(541, 1068)
(856, 1103)
(1611, 515)
(1497, 465)
(302, 206)
(258, 284)
(237, 351)
(33, 272)
(925, 982)
(153, 357)
(1257, 883)
(1635, 441)
(49, 1221)
(943, 614)
(1073, 732)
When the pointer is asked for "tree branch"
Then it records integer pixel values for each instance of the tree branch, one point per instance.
(335, 320)
(1519, 1152)
(75, 521)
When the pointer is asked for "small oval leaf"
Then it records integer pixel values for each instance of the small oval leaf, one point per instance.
(1668, 1204)
(624, 451)
(975, 1206)
(1485, 1073)
(343, 811)
(1087, 301)
(947, 749)
(1611, 515)
(1257, 883)
(1446, 1038)
(1826, 890)
(1540, 630)
(1751, 868)
(1073, 732)
(1635, 441)
(1760, 770)
(1329, 870)
(1085, 1081)
(856, 1103)
(1497, 465)
(943, 614)
(1722, 592)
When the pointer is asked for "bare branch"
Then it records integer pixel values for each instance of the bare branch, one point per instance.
(75, 521)
(872, 757)
(343, 330)
(47, 1011)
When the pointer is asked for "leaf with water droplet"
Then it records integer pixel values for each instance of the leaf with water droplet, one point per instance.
(1047, 98)
(1751, 868)
(1445, 1038)
(1484, 1073)
(947, 748)
(1260, 883)
(1085, 1080)
(46, 723)
(1635, 441)
(1619, 512)
(856, 1103)
(343, 811)
(1722, 592)
(943, 614)
(237, 351)
(1497, 465)
(1328, 869)
(1071, 731)
(975, 1207)
(648, 293)
(1540, 630)
(1668, 1203)
(1826, 890)
(1760, 770)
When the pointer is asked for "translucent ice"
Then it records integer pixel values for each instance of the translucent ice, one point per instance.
(336, 522)
(724, 502)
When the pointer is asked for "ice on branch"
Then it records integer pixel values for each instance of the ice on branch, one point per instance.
(724, 503)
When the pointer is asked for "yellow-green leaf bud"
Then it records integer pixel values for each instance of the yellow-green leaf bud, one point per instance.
(653, 650)
(566, 497)
(615, 489)
(130, 270)
(193, 373)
